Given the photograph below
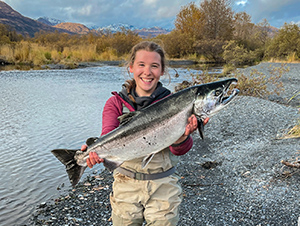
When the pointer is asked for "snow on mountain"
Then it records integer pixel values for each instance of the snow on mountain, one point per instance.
(50, 21)
(113, 28)
(117, 27)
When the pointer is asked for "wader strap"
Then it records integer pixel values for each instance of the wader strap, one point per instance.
(143, 176)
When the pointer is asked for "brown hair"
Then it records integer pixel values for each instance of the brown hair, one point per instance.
(148, 46)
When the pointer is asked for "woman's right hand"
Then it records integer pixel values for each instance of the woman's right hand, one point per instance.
(93, 157)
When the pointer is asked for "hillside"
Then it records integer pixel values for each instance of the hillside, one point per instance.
(74, 28)
(28, 27)
(23, 25)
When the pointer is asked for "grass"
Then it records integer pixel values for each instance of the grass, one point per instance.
(253, 84)
(26, 52)
(295, 131)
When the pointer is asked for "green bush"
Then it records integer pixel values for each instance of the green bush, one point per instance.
(237, 55)
(286, 43)
(48, 55)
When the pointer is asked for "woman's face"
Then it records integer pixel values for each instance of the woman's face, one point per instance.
(146, 70)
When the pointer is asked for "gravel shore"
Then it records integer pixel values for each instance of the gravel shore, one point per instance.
(232, 177)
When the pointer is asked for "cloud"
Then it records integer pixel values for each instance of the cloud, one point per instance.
(241, 2)
(146, 13)
(275, 11)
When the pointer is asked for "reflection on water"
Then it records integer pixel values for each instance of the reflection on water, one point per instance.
(44, 110)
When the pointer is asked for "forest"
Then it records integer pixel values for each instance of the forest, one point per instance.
(210, 31)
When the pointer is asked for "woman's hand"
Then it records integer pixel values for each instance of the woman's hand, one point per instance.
(93, 157)
(190, 128)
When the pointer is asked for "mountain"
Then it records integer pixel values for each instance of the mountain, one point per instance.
(26, 26)
(23, 25)
(49, 21)
(152, 32)
(116, 27)
(74, 28)
(143, 32)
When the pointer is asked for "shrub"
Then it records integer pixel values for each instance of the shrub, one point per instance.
(211, 49)
(256, 83)
(48, 55)
(285, 43)
(199, 78)
(237, 55)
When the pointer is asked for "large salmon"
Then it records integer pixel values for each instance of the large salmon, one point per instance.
(148, 131)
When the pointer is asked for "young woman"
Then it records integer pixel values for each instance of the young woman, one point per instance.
(150, 194)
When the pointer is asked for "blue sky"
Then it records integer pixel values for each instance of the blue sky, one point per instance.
(147, 13)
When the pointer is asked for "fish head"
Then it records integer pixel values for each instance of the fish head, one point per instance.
(212, 97)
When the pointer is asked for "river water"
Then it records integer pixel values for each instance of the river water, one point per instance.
(41, 110)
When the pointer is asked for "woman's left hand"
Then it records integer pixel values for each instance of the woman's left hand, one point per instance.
(191, 126)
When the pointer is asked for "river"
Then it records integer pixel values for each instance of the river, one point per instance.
(41, 110)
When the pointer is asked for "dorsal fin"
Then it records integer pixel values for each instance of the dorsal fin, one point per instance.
(125, 118)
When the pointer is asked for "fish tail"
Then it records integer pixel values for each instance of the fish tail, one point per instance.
(66, 157)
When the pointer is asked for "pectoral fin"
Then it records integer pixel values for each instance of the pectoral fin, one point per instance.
(200, 127)
(146, 160)
(111, 165)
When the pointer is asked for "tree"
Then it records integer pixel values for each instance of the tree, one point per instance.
(263, 29)
(8, 35)
(190, 21)
(286, 42)
(177, 44)
(242, 28)
(236, 54)
(123, 41)
(211, 49)
(218, 19)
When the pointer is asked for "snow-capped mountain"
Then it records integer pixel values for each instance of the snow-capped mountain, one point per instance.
(113, 28)
(49, 21)
(116, 27)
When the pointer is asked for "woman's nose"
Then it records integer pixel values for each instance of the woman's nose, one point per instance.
(147, 70)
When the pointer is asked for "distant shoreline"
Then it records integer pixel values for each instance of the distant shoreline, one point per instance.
(4, 65)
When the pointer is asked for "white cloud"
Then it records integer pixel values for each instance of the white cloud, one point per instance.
(150, 2)
(143, 13)
(242, 2)
(86, 10)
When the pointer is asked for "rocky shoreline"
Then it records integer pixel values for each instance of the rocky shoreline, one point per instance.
(232, 177)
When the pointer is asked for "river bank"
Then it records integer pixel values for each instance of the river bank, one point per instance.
(232, 177)
(10, 66)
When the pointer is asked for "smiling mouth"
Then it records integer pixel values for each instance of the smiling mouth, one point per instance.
(147, 79)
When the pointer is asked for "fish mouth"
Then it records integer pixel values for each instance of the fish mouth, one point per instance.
(225, 99)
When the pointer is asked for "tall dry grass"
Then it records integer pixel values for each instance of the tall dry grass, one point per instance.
(25, 52)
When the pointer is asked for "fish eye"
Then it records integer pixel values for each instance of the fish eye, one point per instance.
(218, 92)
